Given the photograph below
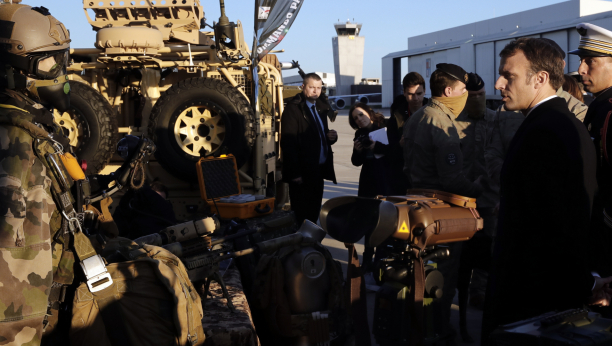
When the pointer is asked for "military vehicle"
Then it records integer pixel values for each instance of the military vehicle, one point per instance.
(154, 71)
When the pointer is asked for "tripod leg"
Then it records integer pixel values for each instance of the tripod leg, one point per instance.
(465, 272)
(219, 280)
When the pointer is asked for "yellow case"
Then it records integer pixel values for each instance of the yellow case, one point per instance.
(229, 210)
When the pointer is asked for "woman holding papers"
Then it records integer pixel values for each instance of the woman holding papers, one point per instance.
(370, 151)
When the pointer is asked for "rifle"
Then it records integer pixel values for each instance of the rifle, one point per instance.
(300, 71)
(331, 114)
(191, 242)
(205, 266)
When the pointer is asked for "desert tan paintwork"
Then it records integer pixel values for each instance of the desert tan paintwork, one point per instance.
(156, 35)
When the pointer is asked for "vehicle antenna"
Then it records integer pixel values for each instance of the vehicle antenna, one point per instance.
(223, 20)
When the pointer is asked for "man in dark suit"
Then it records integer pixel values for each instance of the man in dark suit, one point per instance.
(547, 188)
(306, 149)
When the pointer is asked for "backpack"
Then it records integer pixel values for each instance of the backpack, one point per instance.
(151, 301)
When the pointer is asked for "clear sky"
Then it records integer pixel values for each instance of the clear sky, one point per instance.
(386, 24)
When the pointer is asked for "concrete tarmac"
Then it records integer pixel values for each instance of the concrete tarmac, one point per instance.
(347, 176)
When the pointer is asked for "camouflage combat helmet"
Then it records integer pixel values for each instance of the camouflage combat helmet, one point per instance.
(34, 46)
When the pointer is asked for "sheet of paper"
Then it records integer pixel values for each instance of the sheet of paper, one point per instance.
(380, 136)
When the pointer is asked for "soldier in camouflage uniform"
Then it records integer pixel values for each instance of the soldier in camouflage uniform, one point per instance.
(34, 47)
(432, 146)
(433, 158)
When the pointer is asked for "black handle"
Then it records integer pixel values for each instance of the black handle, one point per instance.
(264, 210)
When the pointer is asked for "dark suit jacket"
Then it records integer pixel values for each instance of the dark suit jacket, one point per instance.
(547, 188)
(300, 142)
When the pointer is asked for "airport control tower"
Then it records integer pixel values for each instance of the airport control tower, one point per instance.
(348, 56)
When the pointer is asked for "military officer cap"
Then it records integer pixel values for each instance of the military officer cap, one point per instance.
(474, 83)
(454, 71)
(594, 41)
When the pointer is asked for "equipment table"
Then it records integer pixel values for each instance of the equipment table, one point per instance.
(222, 327)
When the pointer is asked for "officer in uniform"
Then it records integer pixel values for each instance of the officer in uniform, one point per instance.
(433, 158)
(595, 70)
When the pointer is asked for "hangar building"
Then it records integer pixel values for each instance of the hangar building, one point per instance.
(476, 46)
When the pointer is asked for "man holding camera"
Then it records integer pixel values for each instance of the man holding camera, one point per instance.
(433, 157)
(547, 188)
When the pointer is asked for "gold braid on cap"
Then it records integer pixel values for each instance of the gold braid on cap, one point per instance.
(595, 45)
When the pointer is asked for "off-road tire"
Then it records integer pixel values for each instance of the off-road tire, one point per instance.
(96, 123)
(221, 98)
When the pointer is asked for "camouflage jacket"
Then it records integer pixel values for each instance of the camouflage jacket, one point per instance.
(505, 124)
(432, 152)
(26, 210)
(474, 136)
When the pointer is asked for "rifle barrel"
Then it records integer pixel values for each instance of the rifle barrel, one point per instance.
(235, 236)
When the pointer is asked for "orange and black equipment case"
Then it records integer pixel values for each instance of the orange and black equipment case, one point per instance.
(218, 177)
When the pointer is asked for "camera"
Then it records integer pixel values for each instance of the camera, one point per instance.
(364, 140)
(414, 228)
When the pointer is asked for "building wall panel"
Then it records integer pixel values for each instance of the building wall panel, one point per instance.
(485, 65)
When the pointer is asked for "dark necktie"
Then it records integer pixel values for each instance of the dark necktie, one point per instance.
(319, 127)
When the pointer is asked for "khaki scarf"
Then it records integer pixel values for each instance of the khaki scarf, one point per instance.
(455, 103)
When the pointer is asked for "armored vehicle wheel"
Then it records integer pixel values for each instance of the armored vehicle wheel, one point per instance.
(200, 117)
(91, 126)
